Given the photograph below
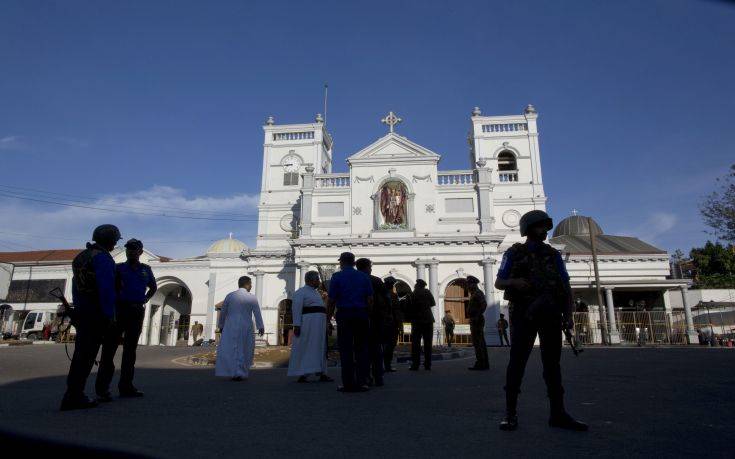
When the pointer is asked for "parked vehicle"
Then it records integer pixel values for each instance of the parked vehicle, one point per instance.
(34, 322)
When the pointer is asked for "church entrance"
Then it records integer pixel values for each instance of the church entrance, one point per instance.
(285, 323)
(169, 316)
(456, 300)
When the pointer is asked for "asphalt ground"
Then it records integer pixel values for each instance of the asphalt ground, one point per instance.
(671, 402)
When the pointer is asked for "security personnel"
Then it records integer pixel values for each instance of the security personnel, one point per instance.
(93, 292)
(136, 285)
(421, 301)
(536, 284)
(395, 326)
(476, 312)
(380, 320)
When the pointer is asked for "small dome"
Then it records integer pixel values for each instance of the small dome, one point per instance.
(228, 245)
(576, 225)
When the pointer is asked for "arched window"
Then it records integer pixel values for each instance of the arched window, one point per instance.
(507, 161)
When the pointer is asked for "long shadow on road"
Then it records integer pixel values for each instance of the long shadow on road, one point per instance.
(638, 402)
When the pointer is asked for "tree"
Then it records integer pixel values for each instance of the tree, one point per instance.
(718, 208)
(714, 265)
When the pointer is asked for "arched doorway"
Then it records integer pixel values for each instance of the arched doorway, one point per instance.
(170, 313)
(285, 323)
(456, 300)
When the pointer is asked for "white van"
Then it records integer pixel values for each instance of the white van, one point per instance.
(34, 322)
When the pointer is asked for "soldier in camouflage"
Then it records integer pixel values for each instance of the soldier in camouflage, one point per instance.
(536, 284)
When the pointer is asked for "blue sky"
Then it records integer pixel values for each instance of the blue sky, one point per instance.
(161, 103)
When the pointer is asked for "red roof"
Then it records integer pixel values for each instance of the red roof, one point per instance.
(39, 255)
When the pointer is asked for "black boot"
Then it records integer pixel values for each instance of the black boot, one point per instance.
(561, 419)
(510, 421)
(69, 403)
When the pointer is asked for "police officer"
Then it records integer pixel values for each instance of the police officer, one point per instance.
(422, 324)
(136, 285)
(476, 312)
(93, 291)
(536, 284)
(395, 326)
(380, 320)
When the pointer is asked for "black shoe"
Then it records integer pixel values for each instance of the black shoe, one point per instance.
(325, 378)
(130, 393)
(565, 421)
(237, 378)
(414, 368)
(104, 398)
(352, 389)
(302, 379)
(509, 422)
(77, 403)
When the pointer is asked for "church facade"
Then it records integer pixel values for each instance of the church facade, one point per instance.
(396, 206)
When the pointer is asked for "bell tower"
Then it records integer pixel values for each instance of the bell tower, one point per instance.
(287, 150)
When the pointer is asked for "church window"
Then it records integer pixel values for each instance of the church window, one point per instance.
(290, 178)
(507, 161)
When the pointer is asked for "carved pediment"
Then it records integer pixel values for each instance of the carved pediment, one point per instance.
(393, 147)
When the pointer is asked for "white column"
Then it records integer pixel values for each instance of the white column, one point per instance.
(145, 334)
(420, 269)
(434, 288)
(611, 322)
(301, 269)
(259, 286)
(691, 333)
(210, 323)
(155, 329)
(492, 314)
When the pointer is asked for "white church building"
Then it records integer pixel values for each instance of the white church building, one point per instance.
(395, 206)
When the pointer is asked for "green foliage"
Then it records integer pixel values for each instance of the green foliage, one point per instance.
(714, 265)
(718, 209)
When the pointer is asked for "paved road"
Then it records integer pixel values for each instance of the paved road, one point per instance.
(652, 402)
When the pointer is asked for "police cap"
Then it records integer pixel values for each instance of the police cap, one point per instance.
(134, 244)
(106, 234)
(347, 257)
(472, 280)
(535, 217)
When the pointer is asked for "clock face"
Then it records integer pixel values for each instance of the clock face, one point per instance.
(291, 163)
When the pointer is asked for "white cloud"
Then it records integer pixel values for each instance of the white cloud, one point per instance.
(11, 143)
(53, 226)
(654, 227)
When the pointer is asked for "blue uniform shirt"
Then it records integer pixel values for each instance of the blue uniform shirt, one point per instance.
(133, 282)
(349, 288)
(104, 272)
(507, 263)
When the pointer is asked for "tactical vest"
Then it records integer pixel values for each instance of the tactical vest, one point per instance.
(84, 278)
(540, 269)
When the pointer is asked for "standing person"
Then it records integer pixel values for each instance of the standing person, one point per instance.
(236, 347)
(422, 324)
(195, 332)
(380, 320)
(93, 293)
(308, 351)
(536, 284)
(476, 312)
(503, 330)
(395, 326)
(448, 322)
(351, 294)
(135, 286)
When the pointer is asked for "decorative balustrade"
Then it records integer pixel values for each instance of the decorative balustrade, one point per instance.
(332, 180)
(507, 177)
(455, 178)
(305, 135)
(505, 127)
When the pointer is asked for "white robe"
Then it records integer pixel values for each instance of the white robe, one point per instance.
(308, 352)
(237, 343)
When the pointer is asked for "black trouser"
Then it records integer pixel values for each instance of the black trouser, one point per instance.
(376, 340)
(420, 331)
(449, 333)
(477, 330)
(353, 329)
(523, 331)
(389, 347)
(129, 325)
(503, 336)
(91, 329)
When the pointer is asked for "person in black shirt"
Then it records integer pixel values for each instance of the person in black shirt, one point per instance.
(380, 320)
(395, 326)
(422, 324)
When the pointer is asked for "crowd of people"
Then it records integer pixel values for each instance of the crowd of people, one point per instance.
(369, 312)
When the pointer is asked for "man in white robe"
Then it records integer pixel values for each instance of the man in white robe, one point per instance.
(308, 352)
(236, 347)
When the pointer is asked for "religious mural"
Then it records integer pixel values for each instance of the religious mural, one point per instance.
(393, 205)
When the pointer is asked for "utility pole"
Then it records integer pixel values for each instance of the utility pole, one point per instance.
(601, 304)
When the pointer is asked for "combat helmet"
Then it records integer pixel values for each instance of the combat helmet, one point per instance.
(533, 217)
(105, 234)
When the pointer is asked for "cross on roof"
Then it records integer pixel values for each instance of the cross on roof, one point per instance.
(391, 120)
(575, 212)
